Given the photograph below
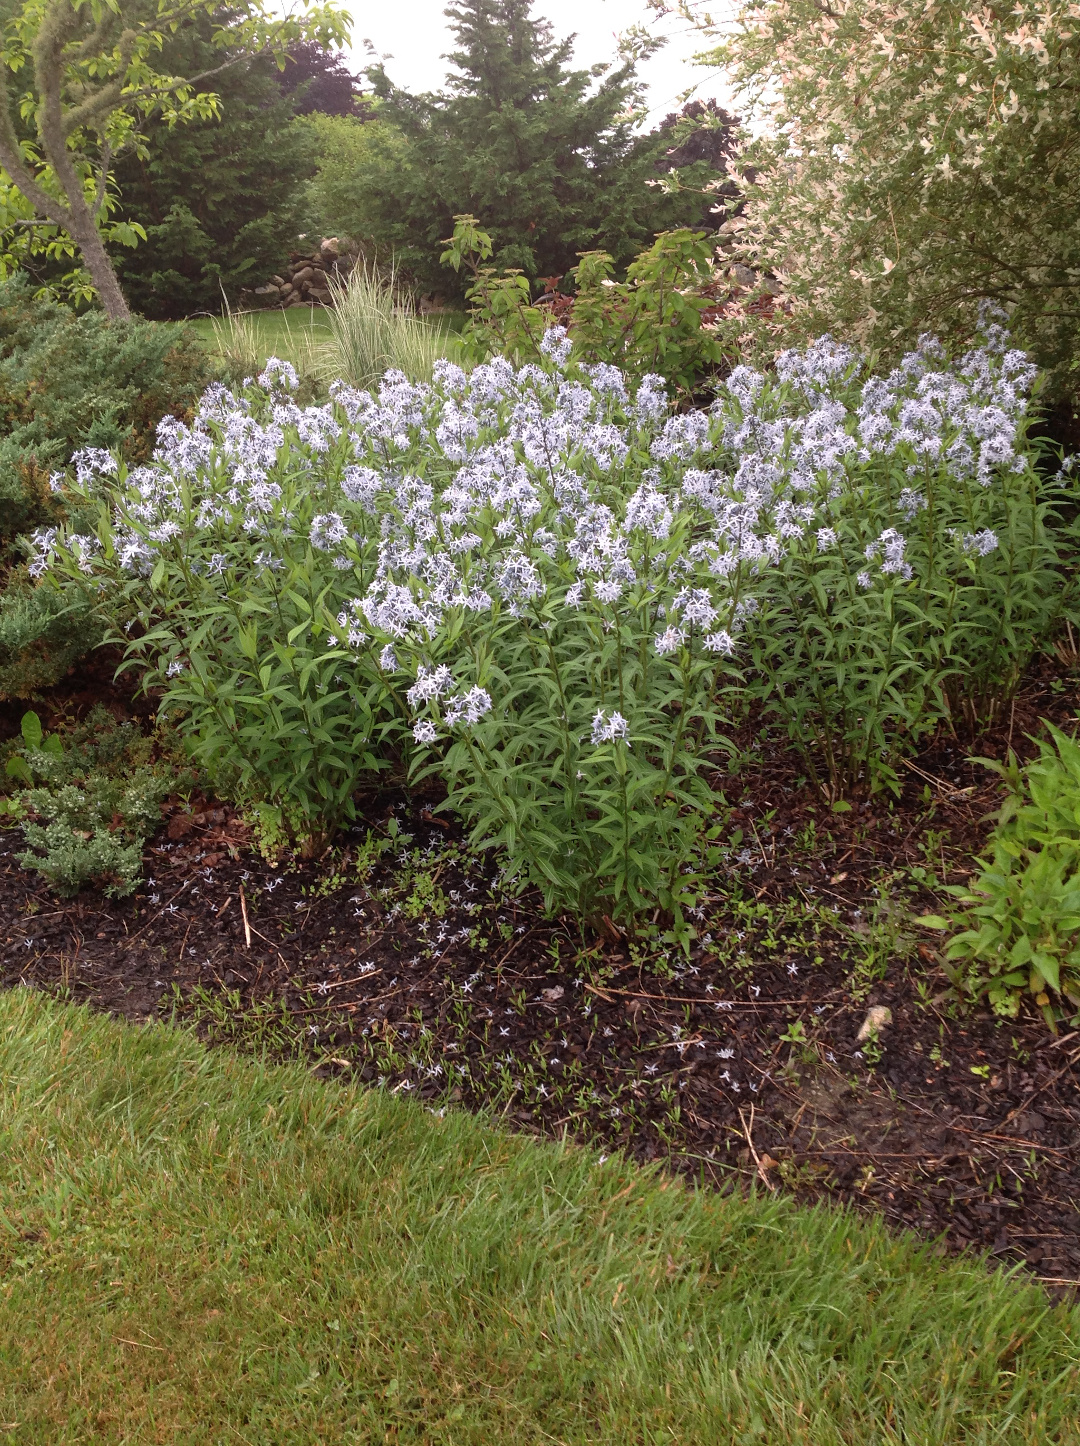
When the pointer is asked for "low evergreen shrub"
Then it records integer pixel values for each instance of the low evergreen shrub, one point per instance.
(90, 799)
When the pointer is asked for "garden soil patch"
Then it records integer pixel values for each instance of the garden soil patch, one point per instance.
(410, 963)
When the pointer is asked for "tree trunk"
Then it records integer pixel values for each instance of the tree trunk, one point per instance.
(84, 232)
(80, 222)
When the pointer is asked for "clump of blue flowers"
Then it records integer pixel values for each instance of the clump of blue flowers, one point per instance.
(544, 587)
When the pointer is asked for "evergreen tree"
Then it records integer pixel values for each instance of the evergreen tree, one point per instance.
(222, 200)
(545, 156)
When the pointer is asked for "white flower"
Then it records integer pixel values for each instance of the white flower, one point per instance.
(557, 345)
(468, 707)
(696, 606)
(669, 640)
(430, 683)
(891, 546)
(981, 544)
(720, 642)
(826, 539)
(910, 502)
(387, 658)
(279, 373)
(328, 531)
(863, 579)
(425, 731)
(606, 730)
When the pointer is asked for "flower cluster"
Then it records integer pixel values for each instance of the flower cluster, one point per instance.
(515, 566)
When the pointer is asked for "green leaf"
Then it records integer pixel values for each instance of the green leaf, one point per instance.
(31, 730)
(17, 767)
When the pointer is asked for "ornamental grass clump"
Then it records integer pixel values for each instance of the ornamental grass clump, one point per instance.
(541, 587)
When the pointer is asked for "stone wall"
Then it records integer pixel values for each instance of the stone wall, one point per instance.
(306, 279)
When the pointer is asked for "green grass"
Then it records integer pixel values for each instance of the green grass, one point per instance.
(289, 334)
(197, 1248)
(285, 334)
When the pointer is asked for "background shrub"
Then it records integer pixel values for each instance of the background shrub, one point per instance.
(70, 381)
(223, 201)
(653, 322)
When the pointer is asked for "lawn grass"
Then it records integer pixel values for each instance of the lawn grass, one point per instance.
(284, 334)
(289, 334)
(198, 1248)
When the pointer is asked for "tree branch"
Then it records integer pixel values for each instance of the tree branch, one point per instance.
(99, 199)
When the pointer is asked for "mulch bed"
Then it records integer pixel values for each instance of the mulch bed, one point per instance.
(419, 970)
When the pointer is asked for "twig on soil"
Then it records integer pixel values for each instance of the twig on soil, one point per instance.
(950, 790)
(247, 926)
(343, 982)
(763, 1174)
(1020, 1108)
(609, 989)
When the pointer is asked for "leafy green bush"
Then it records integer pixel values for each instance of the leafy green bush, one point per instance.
(654, 321)
(69, 382)
(569, 593)
(1023, 906)
(91, 800)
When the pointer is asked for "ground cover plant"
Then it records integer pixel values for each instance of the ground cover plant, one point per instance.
(90, 797)
(542, 586)
(198, 1245)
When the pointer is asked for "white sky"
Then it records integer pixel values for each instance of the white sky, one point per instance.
(414, 34)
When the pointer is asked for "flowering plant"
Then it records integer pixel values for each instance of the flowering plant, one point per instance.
(913, 556)
(543, 587)
(907, 161)
(214, 567)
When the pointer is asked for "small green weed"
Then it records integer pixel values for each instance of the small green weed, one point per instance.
(1022, 909)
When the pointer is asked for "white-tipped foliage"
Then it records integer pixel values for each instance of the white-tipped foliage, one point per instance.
(542, 586)
(374, 328)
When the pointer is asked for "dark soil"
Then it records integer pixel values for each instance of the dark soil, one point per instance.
(417, 969)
